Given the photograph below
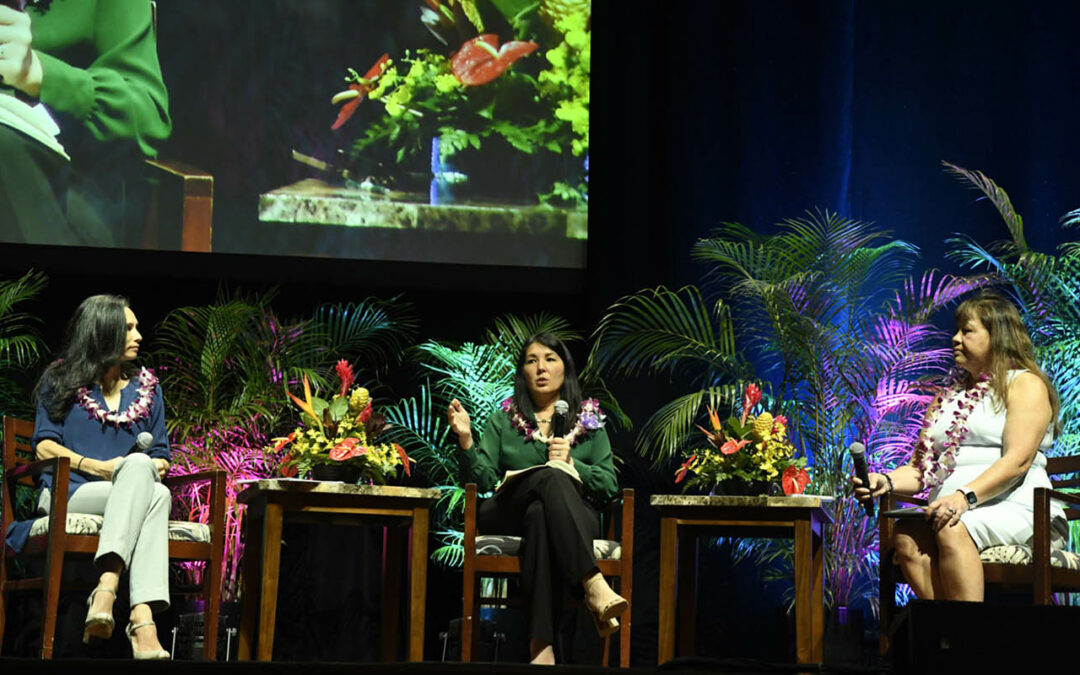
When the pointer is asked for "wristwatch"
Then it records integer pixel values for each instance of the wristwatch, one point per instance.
(969, 494)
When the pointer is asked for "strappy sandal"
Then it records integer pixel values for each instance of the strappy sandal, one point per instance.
(98, 624)
(152, 654)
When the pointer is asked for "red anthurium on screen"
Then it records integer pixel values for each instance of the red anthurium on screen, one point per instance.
(794, 480)
(357, 91)
(732, 446)
(481, 59)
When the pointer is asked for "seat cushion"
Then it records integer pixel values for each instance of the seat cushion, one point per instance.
(90, 524)
(502, 544)
(1016, 554)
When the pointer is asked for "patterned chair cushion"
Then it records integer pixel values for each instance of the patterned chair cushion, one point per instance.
(85, 523)
(1016, 554)
(501, 544)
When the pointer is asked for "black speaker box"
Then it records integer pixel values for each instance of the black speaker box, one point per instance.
(955, 637)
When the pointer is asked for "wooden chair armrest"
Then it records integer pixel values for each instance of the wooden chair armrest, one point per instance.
(470, 517)
(188, 478)
(1071, 497)
(36, 467)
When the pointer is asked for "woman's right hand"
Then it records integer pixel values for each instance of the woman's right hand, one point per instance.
(460, 423)
(878, 486)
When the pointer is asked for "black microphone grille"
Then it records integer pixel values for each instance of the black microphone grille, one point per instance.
(561, 407)
(144, 440)
(857, 448)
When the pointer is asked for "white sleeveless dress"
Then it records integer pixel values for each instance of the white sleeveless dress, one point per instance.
(1008, 517)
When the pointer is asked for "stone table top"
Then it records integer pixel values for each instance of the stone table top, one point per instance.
(293, 485)
(787, 501)
(350, 222)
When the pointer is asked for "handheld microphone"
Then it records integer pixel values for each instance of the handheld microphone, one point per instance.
(142, 442)
(558, 420)
(858, 458)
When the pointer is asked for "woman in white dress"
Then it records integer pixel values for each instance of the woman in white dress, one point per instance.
(980, 455)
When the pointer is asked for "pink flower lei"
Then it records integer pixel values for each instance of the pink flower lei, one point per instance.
(934, 466)
(138, 409)
(590, 418)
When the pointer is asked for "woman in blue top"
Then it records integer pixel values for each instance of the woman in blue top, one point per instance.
(93, 403)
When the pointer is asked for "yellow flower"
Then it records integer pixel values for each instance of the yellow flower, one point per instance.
(446, 83)
(358, 400)
(763, 425)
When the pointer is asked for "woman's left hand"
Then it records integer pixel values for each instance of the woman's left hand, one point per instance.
(946, 511)
(162, 467)
(19, 63)
(559, 448)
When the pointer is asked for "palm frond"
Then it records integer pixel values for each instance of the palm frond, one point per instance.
(999, 198)
(510, 331)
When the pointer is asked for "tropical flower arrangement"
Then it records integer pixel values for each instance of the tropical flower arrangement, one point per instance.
(340, 432)
(752, 449)
(483, 88)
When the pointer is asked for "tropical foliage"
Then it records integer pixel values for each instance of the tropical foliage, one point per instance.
(832, 317)
(225, 369)
(20, 342)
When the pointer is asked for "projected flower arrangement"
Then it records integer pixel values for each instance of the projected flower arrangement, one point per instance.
(507, 93)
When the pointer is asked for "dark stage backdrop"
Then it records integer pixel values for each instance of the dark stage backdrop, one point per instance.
(702, 112)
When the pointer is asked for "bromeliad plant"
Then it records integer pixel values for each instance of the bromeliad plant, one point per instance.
(752, 449)
(341, 431)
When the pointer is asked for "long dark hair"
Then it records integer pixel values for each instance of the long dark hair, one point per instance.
(571, 389)
(94, 343)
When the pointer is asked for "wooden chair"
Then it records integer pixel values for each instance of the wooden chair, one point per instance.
(616, 562)
(1038, 567)
(187, 541)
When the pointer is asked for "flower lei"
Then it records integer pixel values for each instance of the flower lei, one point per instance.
(936, 466)
(138, 409)
(590, 418)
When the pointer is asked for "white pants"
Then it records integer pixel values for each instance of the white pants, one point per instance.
(136, 507)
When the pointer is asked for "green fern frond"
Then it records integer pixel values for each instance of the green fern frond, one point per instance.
(999, 198)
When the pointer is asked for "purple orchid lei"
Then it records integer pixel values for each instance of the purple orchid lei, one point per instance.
(138, 409)
(590, 418)
(935, 467)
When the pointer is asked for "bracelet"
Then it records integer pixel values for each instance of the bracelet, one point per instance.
(78, 466)
(889, 481)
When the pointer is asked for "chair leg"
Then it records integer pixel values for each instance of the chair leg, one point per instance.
(212, 596)
(50, 592)
(468, 610)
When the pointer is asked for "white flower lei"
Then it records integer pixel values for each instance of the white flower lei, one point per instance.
(934, 466)
(138, 409)
(590, 418)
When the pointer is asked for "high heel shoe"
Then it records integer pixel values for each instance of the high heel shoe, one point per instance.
(98, 624)
(605, 628)
(152, 654)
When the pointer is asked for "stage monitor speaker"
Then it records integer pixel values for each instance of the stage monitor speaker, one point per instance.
(957, 637)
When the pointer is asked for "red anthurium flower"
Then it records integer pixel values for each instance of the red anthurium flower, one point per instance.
(345, 374)
(404, 458)
(365, 414)
(685, 469)
(285, 441)
(361, 89)
(795, 480)
(287, 470)
(481, 59)
(345, 450)
(732, 446)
